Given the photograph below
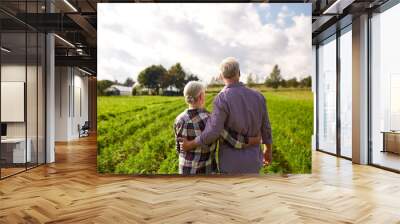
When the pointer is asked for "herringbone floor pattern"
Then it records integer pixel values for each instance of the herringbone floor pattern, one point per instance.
(70, 191)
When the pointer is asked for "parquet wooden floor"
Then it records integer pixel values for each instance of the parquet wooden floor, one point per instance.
(70, 191)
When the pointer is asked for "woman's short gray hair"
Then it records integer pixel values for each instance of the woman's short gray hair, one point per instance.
(192, 91)
(229, 67)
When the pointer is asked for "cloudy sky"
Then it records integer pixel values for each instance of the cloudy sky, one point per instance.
(199, 36)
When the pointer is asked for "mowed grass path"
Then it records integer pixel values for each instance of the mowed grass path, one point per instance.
(135, 134)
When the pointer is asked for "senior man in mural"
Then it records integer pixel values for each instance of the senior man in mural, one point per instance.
(242, 110)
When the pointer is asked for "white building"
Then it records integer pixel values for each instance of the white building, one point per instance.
(119, 90)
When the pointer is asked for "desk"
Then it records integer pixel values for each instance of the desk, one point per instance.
(391, 141)
(15, 148)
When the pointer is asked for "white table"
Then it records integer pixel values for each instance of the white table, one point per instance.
(19, 155)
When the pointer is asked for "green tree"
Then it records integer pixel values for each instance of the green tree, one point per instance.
(102, 85)
(274, 79)
(177, 76)
(306, 82)
(166, 80)
(215, 81)
(136, 90)
(293, 82)
(191, 77)
(283, 83)
(151, 77)
(129, 82)
(250, 80)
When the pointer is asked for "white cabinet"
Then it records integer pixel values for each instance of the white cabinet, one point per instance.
(18, 149)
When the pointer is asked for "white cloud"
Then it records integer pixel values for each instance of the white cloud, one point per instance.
(134, 36)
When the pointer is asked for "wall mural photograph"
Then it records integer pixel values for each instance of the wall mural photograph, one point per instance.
(179, 93)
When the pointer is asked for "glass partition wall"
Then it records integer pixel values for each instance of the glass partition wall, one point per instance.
(14, 153)
(385, 89)
(345, 62)
(334, 83)
(334, 92)
(327, 95)
(22, 77)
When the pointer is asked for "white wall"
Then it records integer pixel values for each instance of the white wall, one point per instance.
(81, 82)
(16, 73)
(71, 102)
(62, 82)
(33, 126)
(12, 73)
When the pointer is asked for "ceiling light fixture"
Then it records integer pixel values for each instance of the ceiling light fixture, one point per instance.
(79, 51)
(70, 5)
(64, 40)
(5, 50)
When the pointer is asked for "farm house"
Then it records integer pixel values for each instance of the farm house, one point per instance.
(171, 91)
(118, 90)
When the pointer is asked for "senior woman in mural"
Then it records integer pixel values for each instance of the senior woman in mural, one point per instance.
(190, 124)
(241, 110)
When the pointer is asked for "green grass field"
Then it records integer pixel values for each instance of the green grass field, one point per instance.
(135, 134)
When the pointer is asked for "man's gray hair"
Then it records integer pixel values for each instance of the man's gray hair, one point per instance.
(192, 91)
(230, 68)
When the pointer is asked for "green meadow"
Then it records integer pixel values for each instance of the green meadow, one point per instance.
(135, 134)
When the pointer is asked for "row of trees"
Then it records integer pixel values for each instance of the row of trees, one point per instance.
(156, 77)
(275, 80)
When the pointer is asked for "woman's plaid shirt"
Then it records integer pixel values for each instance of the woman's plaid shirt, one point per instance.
(201, 160)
